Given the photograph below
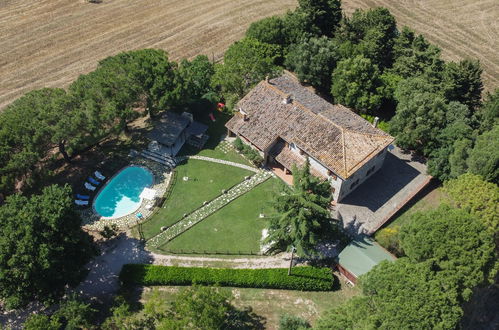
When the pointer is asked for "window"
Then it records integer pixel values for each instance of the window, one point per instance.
(355, 183)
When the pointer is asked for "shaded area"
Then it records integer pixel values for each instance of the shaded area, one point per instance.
(480, 313)
(102, 281)
(382, 195)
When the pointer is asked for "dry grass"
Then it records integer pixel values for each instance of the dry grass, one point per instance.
(48, 43)
(267, 304)
(462, 28)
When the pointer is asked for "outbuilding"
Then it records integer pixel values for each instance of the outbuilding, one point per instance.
(359, 257)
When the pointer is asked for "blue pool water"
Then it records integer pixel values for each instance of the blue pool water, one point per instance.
(121, 195)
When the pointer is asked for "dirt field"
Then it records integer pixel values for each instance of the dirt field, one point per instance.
(48, 43)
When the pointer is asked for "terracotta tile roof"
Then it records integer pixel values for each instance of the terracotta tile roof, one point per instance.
(332, 134)
(288, 158)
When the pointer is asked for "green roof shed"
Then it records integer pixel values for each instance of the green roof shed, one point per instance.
(360, 256)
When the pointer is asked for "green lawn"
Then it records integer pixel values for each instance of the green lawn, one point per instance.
(215, 152)
(235, 228)
(270, 304)
(216, 130)
(206, 181)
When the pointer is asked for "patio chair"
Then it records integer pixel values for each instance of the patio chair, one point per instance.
(89, 186)
(93, 181)
(99, 175)
(79, 202)
(84, 197)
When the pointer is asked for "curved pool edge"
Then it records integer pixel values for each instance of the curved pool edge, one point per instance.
(92, 222)
(110, 180)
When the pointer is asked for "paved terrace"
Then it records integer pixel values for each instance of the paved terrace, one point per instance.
(382, 195)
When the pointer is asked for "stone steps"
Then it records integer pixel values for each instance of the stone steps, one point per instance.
(157, 157)
(197, 142)
(205, 211)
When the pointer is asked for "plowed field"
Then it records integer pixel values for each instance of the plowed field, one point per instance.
(48, 43)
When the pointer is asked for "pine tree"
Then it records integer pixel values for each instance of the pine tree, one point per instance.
(303, 217)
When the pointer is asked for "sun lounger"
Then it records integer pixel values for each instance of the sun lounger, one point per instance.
(84, 197)
(99, 175)
(89, 186)
(93, 181)
(79, 202)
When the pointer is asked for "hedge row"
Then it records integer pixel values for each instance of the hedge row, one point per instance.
(302, 278)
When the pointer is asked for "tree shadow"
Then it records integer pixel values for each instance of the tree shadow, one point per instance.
(244, 318)
(102, 282)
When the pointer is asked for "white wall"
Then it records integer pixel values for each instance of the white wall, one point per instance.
(361, 174)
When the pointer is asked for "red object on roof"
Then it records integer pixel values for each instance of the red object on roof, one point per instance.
(220, 105)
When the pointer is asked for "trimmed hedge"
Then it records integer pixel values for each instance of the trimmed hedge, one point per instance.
(302, 278)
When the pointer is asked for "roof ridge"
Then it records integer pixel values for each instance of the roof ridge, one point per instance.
(344, 153)
(341, 128)
(321, 114)
(301, 105)
(370, 134)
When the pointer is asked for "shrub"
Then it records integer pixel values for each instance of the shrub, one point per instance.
(109, 231)
(251, 154)
(238, 144)
(292, 322)
(389, 238)
(302, 278)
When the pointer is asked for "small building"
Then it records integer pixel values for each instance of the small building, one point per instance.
(172, 130)
(359, 257)
(288, 123)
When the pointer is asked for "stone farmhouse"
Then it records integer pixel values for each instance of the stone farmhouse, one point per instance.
(288, 123)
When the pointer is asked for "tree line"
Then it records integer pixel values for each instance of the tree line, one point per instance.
(47, 122)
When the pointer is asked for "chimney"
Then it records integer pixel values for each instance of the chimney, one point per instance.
(188, 116)
(287, 99)
(244, 113)
(267, 79)
(375, 122)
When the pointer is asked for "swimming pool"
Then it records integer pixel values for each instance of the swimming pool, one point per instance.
(121, 195)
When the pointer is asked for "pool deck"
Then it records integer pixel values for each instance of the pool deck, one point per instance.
(92, 221)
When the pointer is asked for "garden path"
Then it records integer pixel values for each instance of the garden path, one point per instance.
(220, 161)
(102, 281)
